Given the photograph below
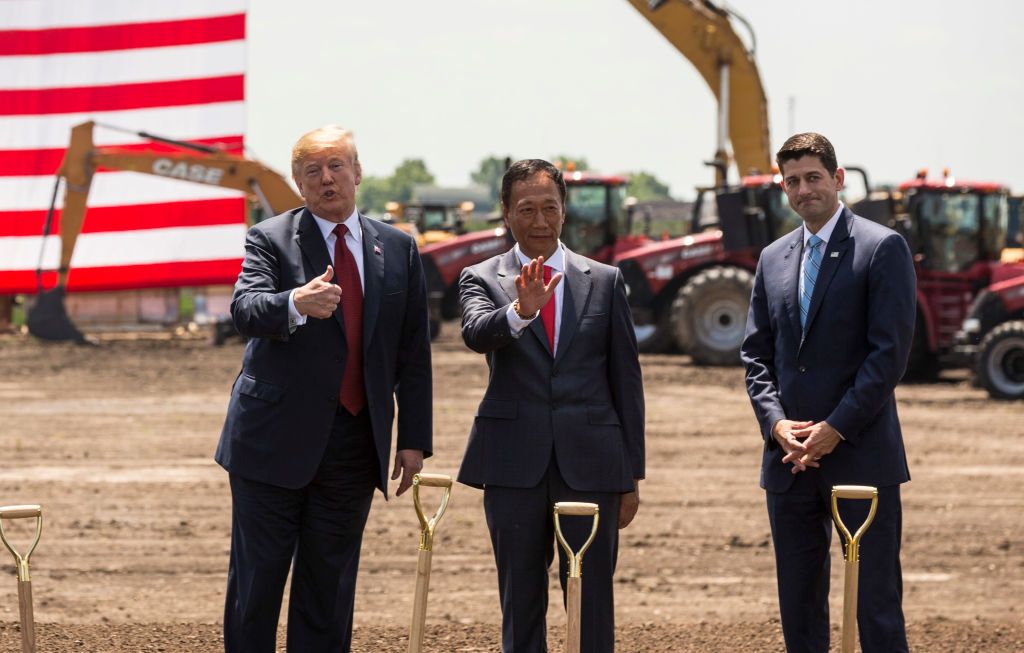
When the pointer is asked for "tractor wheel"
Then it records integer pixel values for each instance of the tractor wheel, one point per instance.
(654, 338)
(1000, 366)
(709, 315)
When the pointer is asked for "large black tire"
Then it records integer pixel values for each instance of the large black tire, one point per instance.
(654, 338)
(709, 315)
(1000, 365)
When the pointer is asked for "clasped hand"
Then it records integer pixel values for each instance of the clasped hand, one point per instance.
(533, 292)
(320, 297)
(805, 443)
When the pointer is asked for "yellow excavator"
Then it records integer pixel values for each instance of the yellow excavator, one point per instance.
(198, 163)
(702, 32)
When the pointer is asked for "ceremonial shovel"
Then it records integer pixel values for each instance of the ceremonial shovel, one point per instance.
(419, 607)
(852, 556)
(28, 633)
(575, 560)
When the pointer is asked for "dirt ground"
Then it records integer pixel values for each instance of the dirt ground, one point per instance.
(116, 443)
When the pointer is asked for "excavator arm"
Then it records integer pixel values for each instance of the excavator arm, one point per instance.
(193, 162)
(200, 164)
(703, 33)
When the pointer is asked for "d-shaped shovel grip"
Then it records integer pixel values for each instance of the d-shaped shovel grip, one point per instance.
(427, 526)
(22, 512)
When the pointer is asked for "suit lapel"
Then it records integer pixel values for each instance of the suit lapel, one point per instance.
(831, 258)
(373, 278)
(577, 284)
(791, 280)
(508, 269)
(314, 249)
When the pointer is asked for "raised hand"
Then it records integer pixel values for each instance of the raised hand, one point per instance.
(318, 298)
(533, 292)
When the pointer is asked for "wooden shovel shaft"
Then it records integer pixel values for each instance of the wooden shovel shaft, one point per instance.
(28, 628)
(419, 605)
(572, 610)
(850, 606)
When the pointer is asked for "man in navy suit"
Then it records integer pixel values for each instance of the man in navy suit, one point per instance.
(335, 309)
(562, 418)
(828, 335)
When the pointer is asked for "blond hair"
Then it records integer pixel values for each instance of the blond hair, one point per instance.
(321, 139)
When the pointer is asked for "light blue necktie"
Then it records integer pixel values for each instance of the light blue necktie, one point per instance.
(811, 267)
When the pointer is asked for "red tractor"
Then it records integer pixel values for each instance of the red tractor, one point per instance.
(992, 337)
(596, 225)
(693, 292)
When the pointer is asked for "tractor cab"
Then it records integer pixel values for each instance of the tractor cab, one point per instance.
(597, 222)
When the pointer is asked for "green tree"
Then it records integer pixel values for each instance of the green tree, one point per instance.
(645, 187)
(409, 173)
(375, 192)
(488, 174)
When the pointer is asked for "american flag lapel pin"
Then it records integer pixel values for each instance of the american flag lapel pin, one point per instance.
(376, 250)
(835, 254)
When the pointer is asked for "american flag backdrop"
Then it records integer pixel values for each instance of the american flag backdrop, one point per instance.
(175, 68)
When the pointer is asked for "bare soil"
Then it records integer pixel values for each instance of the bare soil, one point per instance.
(116, 442)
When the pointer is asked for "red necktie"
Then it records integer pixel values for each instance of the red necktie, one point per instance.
(547, 314)
(346, 275)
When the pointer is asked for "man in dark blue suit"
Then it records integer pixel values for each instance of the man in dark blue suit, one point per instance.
(828, 335)
(562, 418)
(335, 309)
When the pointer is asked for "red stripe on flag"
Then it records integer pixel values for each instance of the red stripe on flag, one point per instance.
(24, 163)
(129, 277)
(136, 217)
(103, 38)
(120, 97)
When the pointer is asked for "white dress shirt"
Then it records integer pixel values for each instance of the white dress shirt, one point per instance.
(557, 264)
(354, 242)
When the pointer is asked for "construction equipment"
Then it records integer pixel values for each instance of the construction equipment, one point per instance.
(202, 164)
(427, 526)
(991, 340)
(852, 556)
(702, 31)
(28, 632)
(430, 222)
(574, 581)
(597, 225)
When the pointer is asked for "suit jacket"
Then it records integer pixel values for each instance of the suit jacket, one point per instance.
(585, 404)
(284, 401)
(844, 368)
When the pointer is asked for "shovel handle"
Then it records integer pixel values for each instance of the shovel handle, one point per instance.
(433, 480)
(582, 510)
(854, 492)
(21, 512)
(427, 526)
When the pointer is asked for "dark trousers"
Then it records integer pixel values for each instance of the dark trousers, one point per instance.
(317, 531)
(523, 536)
(802, 526)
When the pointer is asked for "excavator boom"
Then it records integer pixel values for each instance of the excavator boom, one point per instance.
(703, 33)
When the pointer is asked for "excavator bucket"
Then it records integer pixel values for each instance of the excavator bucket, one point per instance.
(48, 319)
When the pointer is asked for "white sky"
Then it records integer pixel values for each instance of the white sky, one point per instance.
(895, 84)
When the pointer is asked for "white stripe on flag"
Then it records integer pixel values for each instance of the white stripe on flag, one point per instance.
(115, 248)
(180, 123)
(123, 66)
(49, 14)
(108, 189)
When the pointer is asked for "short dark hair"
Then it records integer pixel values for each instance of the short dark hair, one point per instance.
(808, 144)
(523, 170)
